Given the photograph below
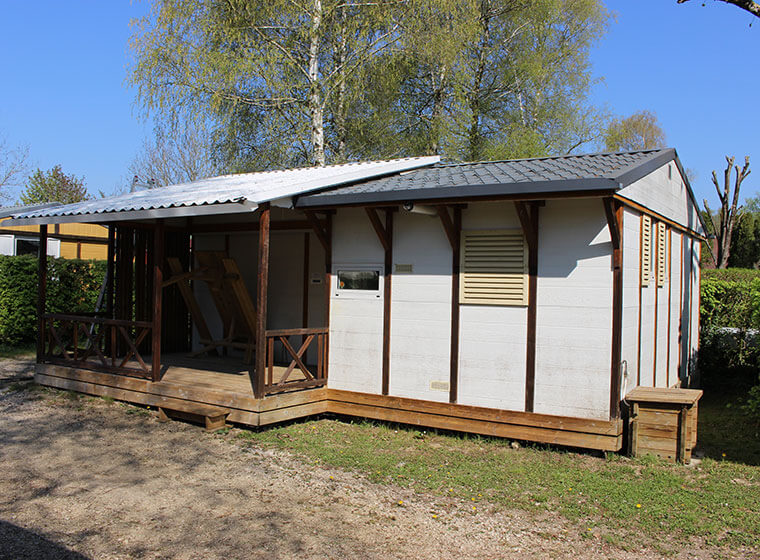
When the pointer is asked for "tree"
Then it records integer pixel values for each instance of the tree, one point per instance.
(293, 82)
(53, 186)
(175, 154)
(13, 166)
(267, 71)
(724, 221)
(747, 5)
(640, 131)
(745, 241)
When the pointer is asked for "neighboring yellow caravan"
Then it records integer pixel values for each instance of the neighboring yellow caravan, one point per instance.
(69, 241)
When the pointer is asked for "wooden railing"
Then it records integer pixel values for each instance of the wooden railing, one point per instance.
(110, 345)
(289, 379)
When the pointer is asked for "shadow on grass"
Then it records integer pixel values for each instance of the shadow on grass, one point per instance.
(725, 433)
(19, 543)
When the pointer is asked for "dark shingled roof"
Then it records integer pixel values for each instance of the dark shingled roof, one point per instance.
(536, 176)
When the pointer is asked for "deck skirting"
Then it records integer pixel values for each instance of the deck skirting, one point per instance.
(605, 435)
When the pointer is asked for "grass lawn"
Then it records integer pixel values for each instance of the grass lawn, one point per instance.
(629, 501)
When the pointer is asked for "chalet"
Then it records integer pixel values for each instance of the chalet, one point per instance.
(523, 298)
(68, 241)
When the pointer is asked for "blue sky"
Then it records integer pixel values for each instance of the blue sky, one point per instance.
(63, 66)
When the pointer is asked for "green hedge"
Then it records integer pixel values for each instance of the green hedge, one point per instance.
(73, 287)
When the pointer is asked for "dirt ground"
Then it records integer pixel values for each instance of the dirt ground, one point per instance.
(84, 478)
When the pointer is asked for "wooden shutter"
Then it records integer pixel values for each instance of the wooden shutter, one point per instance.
(646, 250)
(494, 267)
(662, 254)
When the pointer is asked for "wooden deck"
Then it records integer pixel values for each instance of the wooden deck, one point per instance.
(225, 384)
(215, 382)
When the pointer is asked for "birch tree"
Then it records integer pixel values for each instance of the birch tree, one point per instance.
(266, 71)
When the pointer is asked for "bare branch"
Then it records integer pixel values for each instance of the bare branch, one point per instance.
(747, 5)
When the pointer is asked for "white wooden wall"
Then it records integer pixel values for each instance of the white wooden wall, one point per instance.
(420, 309)
(664, 191)
(631, 271)
(651, 351)
(574, 315)
(492, 338)
(356, 325)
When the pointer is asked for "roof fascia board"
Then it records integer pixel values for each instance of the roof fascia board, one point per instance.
(516, 190)
(641, 170)
(244, 207)
(637, 171)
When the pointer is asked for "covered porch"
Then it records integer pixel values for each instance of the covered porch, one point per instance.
(198, 310)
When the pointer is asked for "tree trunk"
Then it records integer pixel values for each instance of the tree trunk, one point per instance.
(316, 109)
(729, 210)
(475, 138)
(340, 110)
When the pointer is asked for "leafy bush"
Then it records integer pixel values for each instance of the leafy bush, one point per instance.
(73, 287)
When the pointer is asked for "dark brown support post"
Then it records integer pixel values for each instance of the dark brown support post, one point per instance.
(385, 236)
(328, 291)
(455, 266)
(305, 309)
(614, 213)
(110, 272)
(388, 277)
(528, 215)
(41, 291)
(258, 373)
(158, 279)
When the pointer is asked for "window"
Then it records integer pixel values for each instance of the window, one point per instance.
(646, 250)
(493, 268)
(27, 246)
(662, 254)
(358, 281)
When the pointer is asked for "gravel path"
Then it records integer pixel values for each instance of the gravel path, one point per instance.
(84, 478)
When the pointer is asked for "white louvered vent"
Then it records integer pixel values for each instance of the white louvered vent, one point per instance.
(662, 254)
(646, 250)
(494, 267)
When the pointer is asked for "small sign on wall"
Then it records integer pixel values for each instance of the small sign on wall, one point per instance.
(403, 269)
(316, 278)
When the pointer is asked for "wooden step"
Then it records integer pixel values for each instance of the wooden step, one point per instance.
(214, 417)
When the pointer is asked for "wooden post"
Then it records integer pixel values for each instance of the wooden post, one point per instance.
(388, 276)
(259, 370)
(110, 271)
(158, 259)
(305, 303)
(455, 266)
(614, 213)
(527, 212)
(41, 291)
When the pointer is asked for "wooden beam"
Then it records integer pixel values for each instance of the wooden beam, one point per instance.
(530, 346)
(158, 259)
(305, 303)
(110, 271)
(382, 232)
(448, 226)
(455, 266)
(41, 291)
(319, 229)
(387, 295)
(617, 315)
(258, 373)
(612, 221)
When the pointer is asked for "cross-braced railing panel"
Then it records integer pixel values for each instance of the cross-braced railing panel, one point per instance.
(110, 345)
(297, 374)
